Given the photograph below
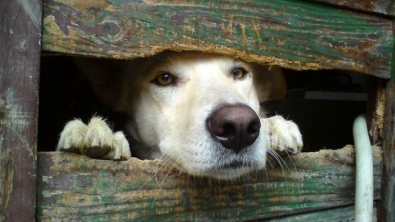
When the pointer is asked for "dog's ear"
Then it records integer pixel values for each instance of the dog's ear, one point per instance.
(106, 77)
(269, 82)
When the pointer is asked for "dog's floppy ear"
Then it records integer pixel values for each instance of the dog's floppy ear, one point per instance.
(269, 82)
(106, 77)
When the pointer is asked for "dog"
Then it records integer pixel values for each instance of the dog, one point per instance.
(199, 111)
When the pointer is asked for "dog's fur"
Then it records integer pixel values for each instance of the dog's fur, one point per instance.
(171, 99)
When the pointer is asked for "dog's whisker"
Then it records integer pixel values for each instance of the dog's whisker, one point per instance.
(183, 124)
(160, 184)
(264, 100)
(154, 175)
(179, 175)
(277, 157)
(165, 161)
(291, 160)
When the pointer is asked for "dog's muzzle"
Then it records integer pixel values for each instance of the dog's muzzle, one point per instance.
(234, 126)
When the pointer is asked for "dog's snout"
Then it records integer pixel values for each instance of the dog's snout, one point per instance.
(234, 126)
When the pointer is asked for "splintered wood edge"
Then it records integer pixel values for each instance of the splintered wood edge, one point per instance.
(290, 168)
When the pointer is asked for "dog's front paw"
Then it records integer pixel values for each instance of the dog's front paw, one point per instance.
(95, 140)
(282, 135)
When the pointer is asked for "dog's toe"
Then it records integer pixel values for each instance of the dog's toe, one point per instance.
(95, 140)
(102, 143)
(121, 150)
(283, 135)
(98, 133)
(72, 137)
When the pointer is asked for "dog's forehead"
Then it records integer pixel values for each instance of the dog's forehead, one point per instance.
(187, 60)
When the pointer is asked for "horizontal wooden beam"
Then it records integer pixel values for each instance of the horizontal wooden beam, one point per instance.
(293, 34)
(338, 214)
(74, 187)
(386, 7)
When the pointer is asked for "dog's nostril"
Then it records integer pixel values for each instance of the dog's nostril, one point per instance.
(234, 126)
(254, 126)
(226, 129)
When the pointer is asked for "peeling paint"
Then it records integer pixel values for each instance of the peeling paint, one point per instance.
(83, 189)
(46, 178)
(261, 32)
(18, 108)
(12, 115)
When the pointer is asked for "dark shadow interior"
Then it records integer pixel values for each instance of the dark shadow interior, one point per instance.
(323, 103)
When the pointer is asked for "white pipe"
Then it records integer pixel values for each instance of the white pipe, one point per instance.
(364, 172)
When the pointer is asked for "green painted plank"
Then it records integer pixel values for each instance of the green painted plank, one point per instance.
(72, 187)
(289, 33)
(339, 214)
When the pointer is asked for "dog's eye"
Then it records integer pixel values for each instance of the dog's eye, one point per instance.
(239, 73)
(164, 79)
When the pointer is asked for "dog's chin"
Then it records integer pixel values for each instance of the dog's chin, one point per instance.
(219, 168)
(226, 171)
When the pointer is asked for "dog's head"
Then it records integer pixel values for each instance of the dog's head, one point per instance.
(200, 111)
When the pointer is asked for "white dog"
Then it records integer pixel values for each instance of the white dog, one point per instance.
(198, 111)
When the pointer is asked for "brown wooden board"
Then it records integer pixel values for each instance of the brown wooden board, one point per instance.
(20, 28)
(387, 210)
(288, 33)
(376, 109)
(75, 188)
(386, 7)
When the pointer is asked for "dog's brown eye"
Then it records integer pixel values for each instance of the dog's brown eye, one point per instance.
(239, 73)
(164, 79)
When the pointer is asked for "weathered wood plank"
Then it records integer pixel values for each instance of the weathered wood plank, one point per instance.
(289, 33)
(331, 215)
(376, 110)
(20, 23)
(386, 7)
(74, 187)
(387, 210)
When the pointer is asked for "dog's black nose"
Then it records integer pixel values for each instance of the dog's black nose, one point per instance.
(234, 126)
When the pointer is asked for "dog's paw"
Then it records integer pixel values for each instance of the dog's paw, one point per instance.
(95, 140)
(282, 135)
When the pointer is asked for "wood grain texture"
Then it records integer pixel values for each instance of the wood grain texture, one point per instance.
(387, 210)
(386, 7)
(376, 109)
(20, 23)
(289, 33)
(342, 214)
(74, 187)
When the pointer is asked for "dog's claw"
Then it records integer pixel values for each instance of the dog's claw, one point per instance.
(95, 140)
(282, 135)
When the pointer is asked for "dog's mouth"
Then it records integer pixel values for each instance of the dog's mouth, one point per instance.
(215, 161)
(226, 170)
(232, 170)
(236, 165)
(233, 165)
